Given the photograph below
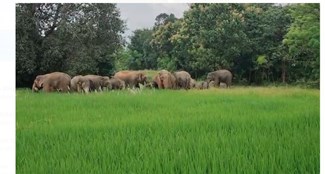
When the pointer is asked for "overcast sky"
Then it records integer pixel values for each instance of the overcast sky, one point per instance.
(142, 15)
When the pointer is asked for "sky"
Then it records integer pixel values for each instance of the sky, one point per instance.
(142, 15)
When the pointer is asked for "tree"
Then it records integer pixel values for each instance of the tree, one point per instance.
(303, 43)
(74, 38)
(142, 54)
(27, 44)
(161, 42)
(212, 35)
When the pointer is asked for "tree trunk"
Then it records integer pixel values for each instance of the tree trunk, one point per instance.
(283, 74)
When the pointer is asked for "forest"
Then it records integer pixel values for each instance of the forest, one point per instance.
(260, 44)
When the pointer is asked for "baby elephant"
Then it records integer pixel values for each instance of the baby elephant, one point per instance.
(202, 85)
(115, 83)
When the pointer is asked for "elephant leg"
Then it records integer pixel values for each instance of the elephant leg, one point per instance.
(47, 88)
(86, 90)
(217, 82)
(228, 83)
(65, 88)
(34, 88)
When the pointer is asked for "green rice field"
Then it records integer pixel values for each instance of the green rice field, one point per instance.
(238, 130)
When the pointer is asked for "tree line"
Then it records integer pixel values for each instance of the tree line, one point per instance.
(258, 43)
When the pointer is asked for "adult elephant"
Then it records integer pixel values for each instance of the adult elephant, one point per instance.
(52, 82)
(183, 79)
(165, 80)
(97, 81)
(132, 78)
(82, 84)
(219, 76)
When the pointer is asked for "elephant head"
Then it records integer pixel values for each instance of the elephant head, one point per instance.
(210, 77)
(105, 82)
(142, 78)
(38, 83)
(165, 80)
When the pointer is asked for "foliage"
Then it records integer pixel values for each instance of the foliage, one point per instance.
(303, 42)
(73, 38)
(259, 43)
(142, 55)
(234, 36)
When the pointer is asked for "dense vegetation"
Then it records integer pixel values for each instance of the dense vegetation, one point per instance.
(73, 38)
(258, 43)
(242, 130)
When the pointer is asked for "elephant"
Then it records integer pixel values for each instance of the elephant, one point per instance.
(212, 84)
(132, 78)
(192, 83)
(205, 85)
(115, 83)
(97, 81)
(199, 85)
(82, 84)
(165, 80)
(223, 85)
(219, 76)
(105, 83)
(52, 82)
(183, 80)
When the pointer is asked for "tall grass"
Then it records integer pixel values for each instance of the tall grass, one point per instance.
(241, 130)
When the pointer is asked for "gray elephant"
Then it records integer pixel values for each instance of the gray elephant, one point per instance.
(82, 84)
(105, 83)
(205, 85)
(219, 76)
(212, 84)
(183, 80)
(192, 83)
(97, 81)
(115, 83)
(164, 80)
(52, 82)
(199, 85)
(132, 78)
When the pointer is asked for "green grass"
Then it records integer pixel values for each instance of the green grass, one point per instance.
(238, 130)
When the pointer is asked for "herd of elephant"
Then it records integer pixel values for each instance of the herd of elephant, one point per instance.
(62, 82)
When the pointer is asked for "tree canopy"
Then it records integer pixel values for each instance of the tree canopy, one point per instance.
(74, 38)
(258, 43)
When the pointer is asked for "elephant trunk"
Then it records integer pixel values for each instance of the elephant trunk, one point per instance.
(34, 88)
